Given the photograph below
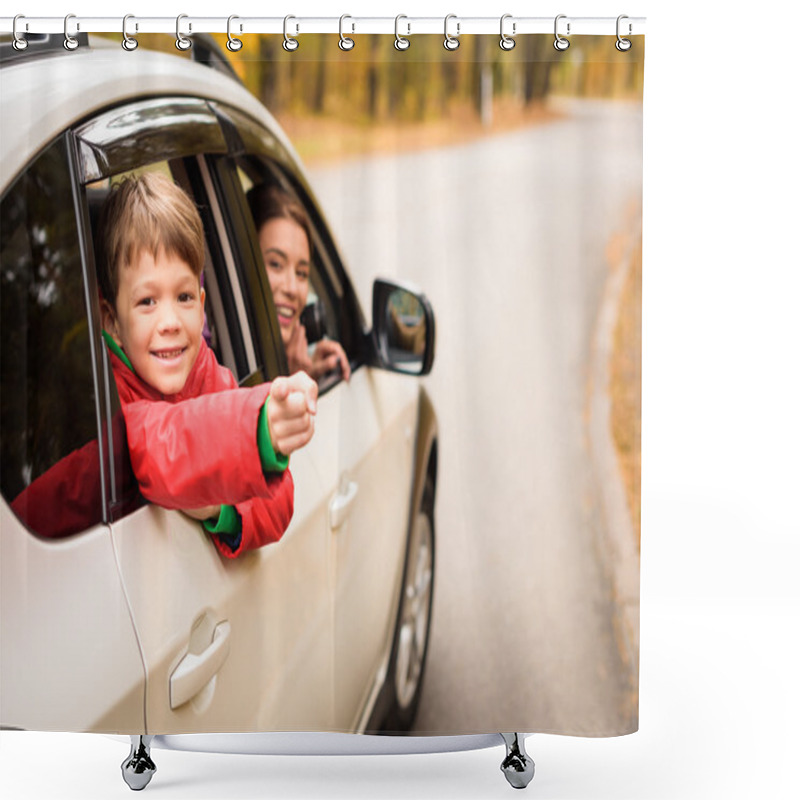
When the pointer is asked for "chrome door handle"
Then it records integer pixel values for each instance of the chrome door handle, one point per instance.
(195, 670)
(339, 508)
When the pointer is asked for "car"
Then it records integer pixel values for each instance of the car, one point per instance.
(130, 621)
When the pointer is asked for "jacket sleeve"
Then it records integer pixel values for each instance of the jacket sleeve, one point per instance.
(201, 451)
(66, 498)
(264, 519)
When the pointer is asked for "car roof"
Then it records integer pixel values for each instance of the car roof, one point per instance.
(44, 96)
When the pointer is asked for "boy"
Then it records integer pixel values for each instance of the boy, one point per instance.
(197, 442)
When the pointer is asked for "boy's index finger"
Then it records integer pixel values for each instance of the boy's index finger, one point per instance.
(311, 397)
(279, 390)
(302, 382)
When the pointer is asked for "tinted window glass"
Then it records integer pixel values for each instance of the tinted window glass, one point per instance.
(47, 406)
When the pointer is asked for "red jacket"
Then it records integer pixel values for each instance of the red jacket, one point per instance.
(189, 450)
(199, 448)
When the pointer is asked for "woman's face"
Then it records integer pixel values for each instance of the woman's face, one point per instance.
(284, 246)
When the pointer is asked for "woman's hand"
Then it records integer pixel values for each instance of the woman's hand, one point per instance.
(297, 351)
(327, 355)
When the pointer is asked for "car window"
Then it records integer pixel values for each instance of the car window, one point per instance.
(226, 327)
(48, 403)
(324, 309)
(224, 340)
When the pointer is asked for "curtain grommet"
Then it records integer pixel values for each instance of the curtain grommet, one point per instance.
(181, 42)
(507, 42)
(451, 42)
(345, 42)
(623, 45)
(401, 43)
(70, 42)
(233, 44)
(560, 43)
(290, 44)
(129, 43)
(19, 42)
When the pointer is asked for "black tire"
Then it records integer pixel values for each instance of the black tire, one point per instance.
(412, 632)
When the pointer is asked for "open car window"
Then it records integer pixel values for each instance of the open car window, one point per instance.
(325, 312)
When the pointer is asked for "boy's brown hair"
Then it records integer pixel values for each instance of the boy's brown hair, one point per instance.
(146, 213)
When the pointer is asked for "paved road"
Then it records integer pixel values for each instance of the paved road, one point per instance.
(508, 238)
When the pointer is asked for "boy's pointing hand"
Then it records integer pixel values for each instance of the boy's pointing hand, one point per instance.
(290, 412)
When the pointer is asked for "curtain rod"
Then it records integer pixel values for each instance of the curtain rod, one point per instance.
(346, 25)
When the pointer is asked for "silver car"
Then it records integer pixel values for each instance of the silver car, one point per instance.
(129, 620)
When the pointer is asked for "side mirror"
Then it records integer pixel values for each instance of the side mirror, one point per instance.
(403, 328)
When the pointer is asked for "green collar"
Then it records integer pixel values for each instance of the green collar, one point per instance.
(118, 351)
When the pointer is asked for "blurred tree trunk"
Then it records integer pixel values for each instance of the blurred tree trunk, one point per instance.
(318, 102)
(537, 69)
(268, 72)
(372, 80)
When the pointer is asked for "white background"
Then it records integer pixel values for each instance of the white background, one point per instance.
(720, 608)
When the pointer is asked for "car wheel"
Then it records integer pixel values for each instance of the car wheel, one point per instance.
(414, 619)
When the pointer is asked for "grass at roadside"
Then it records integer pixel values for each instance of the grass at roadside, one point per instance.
(626, 387)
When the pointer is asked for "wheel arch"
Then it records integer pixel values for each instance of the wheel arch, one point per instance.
(426, 462)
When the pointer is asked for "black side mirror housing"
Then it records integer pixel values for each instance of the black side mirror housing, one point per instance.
(403, 328)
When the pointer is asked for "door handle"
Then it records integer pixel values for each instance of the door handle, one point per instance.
(339, 508)
(195, 670)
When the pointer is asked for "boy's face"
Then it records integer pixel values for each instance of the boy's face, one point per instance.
(158, 319)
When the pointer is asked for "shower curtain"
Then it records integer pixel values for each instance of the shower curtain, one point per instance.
(501, 189)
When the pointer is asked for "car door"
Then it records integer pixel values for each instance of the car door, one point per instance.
(228, 645)
(368, 524)
(361, 455)
(69, 656)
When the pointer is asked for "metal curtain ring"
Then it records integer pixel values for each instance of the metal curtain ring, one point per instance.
(128, 42)
(181, 42)
(400, 42)
(561, 43)
(451, 42)
(70, 42)
(233, 44)
(289, 44)
(19, 42)
(623, 45)
(345, 42)
(507, 42)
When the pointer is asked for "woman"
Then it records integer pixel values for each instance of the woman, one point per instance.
(285, 238)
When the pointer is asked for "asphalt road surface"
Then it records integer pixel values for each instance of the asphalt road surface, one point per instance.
(508, 236)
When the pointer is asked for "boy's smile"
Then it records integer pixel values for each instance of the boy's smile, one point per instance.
(158, 319)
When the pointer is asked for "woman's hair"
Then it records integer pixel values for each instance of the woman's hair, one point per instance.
(146, 213)
(270, 202)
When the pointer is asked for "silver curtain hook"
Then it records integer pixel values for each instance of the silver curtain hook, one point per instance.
(70, 42)
(507, 42)
(233, 44)
(561, 43)
(400, 42)
(623, 45)
(181, 42)
(289, 44)
(19, 42)
(345, 42)
(128, 42)
(451, 42)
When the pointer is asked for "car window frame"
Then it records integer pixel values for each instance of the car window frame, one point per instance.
(102, 427)
(94, 160)
(249, 139)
